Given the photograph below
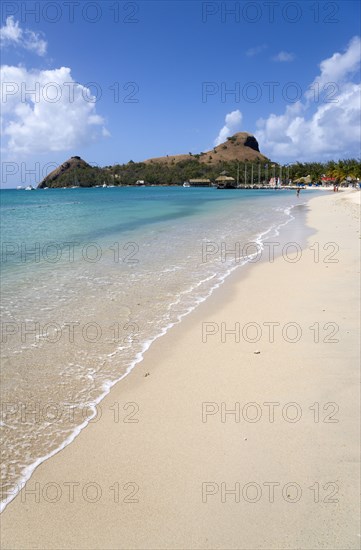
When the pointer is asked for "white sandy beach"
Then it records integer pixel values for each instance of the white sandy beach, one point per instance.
(165, 466)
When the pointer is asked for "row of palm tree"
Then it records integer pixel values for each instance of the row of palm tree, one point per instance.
(342, 170)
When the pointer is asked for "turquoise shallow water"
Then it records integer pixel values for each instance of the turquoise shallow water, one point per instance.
(90, 277)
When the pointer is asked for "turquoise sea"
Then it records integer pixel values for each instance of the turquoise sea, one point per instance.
(91, 277)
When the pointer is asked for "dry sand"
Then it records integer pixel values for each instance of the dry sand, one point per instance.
(171, 458)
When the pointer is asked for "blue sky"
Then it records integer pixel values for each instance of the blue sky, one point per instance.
(176, 61)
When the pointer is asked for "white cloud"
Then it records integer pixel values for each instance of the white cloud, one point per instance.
(283, 56)
(13, 35)
(319, 127)
(340, 66)
(44, 111)
(233, 122)
(251, 52)
(11, 32)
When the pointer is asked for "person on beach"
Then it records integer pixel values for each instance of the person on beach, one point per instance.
(298, 191)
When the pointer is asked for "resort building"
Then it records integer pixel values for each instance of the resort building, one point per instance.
(225, 182)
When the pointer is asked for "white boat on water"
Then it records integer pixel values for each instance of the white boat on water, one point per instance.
(29, 188)
(186, 184)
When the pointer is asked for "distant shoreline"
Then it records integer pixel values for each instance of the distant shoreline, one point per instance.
(255, 187)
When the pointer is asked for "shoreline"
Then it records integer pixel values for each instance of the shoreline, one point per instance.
(254, 187)
(247, 263)
(179, 342)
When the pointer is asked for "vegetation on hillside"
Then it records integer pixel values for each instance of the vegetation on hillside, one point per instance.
(84, 176)
(175, 174)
